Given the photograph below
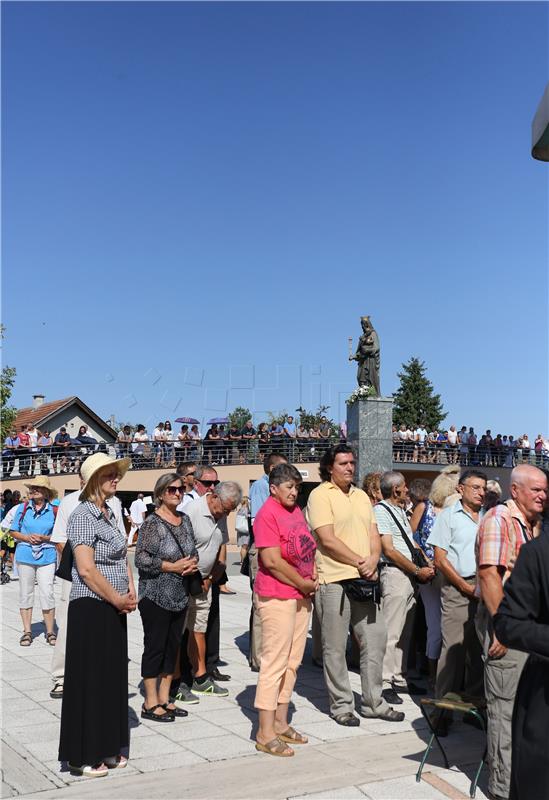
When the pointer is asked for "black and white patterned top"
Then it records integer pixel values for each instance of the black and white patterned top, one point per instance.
(87, 525)
(155, 544)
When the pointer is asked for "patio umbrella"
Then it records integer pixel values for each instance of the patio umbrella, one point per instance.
(188, 420)
(218, 421)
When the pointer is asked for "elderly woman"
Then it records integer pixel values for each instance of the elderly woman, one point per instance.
(166, 553)
(31, 527)
(94, 716)
(371, 485)
(428, 503)
(284, 586)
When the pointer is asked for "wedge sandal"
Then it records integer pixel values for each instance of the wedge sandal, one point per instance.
(275, 748)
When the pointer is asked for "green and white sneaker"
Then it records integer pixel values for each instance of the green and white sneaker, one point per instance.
(209, 687)
(184, 696)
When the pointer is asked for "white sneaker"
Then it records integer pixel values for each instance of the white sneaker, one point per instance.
(90, 771)
(116, 762)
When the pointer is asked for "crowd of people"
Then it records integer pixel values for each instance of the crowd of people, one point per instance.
(417, 444)
(225, 444)
(361, 561)
(164, 447)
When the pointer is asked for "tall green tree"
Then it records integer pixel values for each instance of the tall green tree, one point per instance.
(239, 417)
(7, 381)
(415, 401)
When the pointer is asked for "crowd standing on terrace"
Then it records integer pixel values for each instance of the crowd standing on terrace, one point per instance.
(224, 444)
(360, 561)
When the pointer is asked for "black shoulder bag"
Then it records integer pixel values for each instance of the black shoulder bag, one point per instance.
(64, 570)
(245, 566)
(194, 580)
(416, 554)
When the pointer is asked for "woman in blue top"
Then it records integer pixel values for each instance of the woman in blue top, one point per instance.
(32, 527)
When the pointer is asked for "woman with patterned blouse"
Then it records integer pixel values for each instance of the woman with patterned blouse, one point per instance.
(165, 554)
(94, 715)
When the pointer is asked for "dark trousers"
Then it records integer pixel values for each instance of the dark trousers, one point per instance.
(162, 634)
(212, 641)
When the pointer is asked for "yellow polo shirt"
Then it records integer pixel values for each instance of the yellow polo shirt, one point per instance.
(352, 517)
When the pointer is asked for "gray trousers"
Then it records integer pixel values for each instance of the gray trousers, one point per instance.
(460, 663)
(255, 622)
(397, 606)
(335, 613)
(61, 611)
(501, 677)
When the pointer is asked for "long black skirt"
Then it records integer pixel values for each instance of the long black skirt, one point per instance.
(94, 715)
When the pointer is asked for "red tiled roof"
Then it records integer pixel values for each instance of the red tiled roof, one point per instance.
(37, 416)
(34, 416)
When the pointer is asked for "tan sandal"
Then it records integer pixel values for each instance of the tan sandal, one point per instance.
(275, 748)
(292, 736)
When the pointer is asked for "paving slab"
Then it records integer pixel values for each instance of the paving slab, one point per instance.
(211, 754)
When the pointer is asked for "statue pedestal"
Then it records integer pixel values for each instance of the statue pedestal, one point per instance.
(370, 434)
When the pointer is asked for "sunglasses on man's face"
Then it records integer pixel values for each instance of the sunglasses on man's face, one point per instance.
(207, 483)
(175, 490)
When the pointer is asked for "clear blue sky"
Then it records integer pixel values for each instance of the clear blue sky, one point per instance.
(201, 199)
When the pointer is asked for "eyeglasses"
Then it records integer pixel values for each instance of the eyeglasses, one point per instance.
(111, 476)
(207, 483)
(175, 490)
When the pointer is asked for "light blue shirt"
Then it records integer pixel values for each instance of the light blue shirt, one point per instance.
(259, 493)
(290, 428)
(456, 532)
(41, 523)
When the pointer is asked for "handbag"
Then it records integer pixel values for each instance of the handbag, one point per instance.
(64, 570)
(245, 565)
(194, 580)
(362, 590)
(416, 554)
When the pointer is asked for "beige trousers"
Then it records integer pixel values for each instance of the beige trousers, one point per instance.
(397, 606)
(284, 627)
(61, 611)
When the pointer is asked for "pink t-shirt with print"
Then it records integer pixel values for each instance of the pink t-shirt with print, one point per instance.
(276, 526)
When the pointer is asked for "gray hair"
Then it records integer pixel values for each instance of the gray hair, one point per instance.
(388, 481)
(229, 492)
(162, 484)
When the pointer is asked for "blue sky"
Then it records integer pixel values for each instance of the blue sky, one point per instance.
(200, 200)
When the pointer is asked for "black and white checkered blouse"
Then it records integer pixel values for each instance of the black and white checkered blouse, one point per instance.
(87, 525)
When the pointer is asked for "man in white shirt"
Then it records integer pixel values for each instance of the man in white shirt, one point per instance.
(138, 510)
(59, 538)
(397, 584)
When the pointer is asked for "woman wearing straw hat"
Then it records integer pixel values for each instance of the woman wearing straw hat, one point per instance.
(32, 527)
(94, 716)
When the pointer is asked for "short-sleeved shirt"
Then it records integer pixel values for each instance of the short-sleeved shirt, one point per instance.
(68, 504)
(88, 526)
(277, 526)
(11, 442)
(501, 534)
(352, 517)
(40, 522)
(209, 533)
(386, 525)
(456, 532)
(290, 429)
(259, 492)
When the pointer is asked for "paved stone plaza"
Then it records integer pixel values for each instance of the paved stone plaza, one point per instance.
(211, 753)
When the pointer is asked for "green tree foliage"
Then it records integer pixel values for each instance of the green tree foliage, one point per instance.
(239, 417)
(415, 402)
(308, 419)
(7, 381)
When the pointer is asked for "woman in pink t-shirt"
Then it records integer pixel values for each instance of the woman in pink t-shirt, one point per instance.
(284, 586)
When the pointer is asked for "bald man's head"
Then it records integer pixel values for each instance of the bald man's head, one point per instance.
(529, 490)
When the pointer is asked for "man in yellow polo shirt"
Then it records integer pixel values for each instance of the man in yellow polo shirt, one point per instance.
(349, 547)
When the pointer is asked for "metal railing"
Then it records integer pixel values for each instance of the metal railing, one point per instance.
(442, 453)
(56, 460)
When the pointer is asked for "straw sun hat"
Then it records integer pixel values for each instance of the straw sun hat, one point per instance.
(44, 483)
(94, 463)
